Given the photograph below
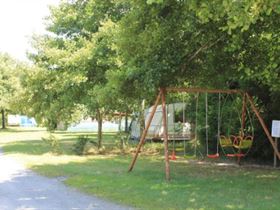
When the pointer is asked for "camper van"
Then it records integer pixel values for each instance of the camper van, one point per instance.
(178, 127)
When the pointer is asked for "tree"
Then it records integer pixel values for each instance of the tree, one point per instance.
(9, 83)
(112, 54)
(80, 46)
(47, 96)
(177, 43)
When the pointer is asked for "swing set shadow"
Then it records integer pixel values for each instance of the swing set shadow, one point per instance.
(162, 97)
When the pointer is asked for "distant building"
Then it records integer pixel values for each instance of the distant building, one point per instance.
(21, 120)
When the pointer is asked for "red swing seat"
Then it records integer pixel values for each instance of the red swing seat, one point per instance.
(236, 155)
(217, 155)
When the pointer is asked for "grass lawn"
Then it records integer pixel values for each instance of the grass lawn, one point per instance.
(194, 185)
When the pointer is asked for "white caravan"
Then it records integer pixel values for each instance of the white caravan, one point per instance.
(178, 129)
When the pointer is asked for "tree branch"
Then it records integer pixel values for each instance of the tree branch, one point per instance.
(203, 47)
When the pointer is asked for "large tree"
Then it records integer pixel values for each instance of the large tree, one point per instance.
(119, 51)
(202, 43)
(176, 41)
(79, 53)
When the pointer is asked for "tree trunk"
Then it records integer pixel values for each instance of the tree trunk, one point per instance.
(3, 119)
(99, 119)
(120, 123)
(126, 123)
(142, 117)
(120, 133)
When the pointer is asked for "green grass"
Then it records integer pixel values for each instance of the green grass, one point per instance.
(194, 185)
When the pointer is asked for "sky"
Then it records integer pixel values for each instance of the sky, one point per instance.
(19, 19)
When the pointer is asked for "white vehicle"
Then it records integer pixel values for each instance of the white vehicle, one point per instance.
(178, 127)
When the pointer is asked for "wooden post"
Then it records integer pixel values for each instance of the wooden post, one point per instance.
(126, 123)
(243, 122)
(243, 115)
(263, 125)
(99, 121)
(275, 157)
(201, 90)
(165, 134)
(143, 136)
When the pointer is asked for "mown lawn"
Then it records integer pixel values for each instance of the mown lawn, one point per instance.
(194, 185)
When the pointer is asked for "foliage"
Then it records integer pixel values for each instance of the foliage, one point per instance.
(107, 56)
(11, 72)
(53, 142)
(191, 41)
(7, 68)
(76, 57)
(187, 43)
(79, 146)
(122, 139)
(47, 97)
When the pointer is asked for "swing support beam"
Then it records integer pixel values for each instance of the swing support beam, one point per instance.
(143, 136)
(257, 113)
(161, 97)
(202, 90)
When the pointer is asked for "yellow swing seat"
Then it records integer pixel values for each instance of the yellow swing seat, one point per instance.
(227, 141)
(245, 142)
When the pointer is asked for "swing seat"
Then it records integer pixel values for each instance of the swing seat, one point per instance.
(189, 156)
(243, 143)
(226, 141)
(236, 155)
(217, 155)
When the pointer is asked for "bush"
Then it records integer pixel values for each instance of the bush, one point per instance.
(122, 140)
(53, 142)
(80, 146)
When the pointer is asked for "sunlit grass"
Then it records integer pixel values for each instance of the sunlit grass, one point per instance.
(194, 185)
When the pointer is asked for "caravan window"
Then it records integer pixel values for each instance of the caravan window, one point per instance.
(178, 116)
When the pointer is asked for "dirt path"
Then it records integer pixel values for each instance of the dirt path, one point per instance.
(22, 189)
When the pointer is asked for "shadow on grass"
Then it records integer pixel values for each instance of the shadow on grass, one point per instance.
(68, 133)
(107, 137)
(30, 147)
(191, 187)
(39, 147)
(22, 130)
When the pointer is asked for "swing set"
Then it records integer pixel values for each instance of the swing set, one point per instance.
(232, 145)
(239, 144)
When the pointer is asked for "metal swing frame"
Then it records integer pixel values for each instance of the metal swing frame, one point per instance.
(162, 97)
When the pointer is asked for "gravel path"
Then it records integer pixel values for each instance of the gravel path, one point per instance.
(22, 189)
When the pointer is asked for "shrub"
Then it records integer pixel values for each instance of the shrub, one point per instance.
(53, 143)
(122, 140)
(80, 146)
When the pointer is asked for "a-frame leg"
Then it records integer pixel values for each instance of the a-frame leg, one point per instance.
(165, 133)
(143, 136)
(243, 118)
(263, 125)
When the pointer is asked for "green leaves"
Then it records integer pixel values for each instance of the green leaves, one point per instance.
(73, 61)
(108, 55)
(154, 1)
(238, 15)
(10, 75)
